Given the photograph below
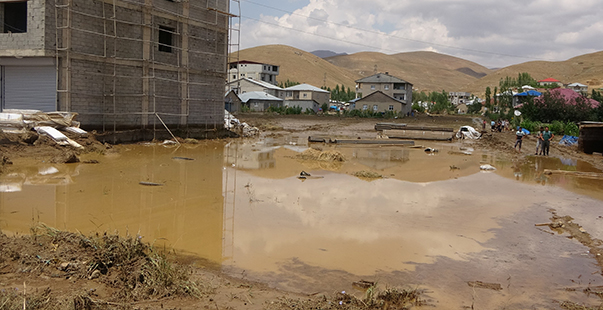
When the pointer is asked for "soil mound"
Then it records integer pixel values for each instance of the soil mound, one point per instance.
(313, 154)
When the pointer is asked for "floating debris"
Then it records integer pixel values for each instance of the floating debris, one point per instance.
(312, 154)
(150, 184)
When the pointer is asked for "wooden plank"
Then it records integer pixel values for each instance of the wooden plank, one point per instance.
(377, 142)
(317, 139)
(588, 175)
(421, 138)
(387, 126)
(423, 128)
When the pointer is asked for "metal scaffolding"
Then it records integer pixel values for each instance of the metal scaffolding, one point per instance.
(112, 32)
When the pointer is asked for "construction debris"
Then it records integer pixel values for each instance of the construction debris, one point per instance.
(233, 124)
(487, 167)
(468, 132)
(45, 123)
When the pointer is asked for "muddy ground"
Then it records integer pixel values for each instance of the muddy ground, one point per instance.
(50, 269)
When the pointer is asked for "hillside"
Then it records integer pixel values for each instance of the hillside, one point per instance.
(300, 66)
(586, 69)
(427, 71)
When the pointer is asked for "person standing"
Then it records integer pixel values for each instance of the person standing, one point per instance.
(547, 136)
(519, 134)
(539, 141)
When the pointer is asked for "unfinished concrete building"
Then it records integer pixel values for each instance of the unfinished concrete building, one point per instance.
(119, 64)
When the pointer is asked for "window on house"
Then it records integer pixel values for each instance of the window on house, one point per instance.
(372, 87)
(234, 76)
(305, 96)
(15, 17)
(375, 108)
(274, 68)
(166, 39)
(386, 87)
(289, 94)
(364, 107)
(391, 107)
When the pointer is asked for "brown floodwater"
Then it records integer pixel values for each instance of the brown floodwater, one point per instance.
(434, 221)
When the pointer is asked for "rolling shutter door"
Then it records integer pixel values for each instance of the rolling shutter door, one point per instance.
(30, 87)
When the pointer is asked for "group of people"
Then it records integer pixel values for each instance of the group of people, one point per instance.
(500, 125)
(543, 140)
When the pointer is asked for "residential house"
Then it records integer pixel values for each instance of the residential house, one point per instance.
(549, 82)
(306, 96)
(391, 86)
(118, 64)
(232, 102)
(577, 87)
(381, 102)
(457, 98)
(253, 70)
(259, 101)
(245, 85)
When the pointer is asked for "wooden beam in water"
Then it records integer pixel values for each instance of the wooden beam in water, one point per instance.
(374, 142)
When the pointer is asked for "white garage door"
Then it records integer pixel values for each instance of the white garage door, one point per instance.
(30, 87)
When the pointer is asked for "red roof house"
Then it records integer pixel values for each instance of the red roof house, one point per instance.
(549, 81)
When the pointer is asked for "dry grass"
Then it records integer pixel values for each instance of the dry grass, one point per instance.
(312, 154)
(367, 174)
(391, 298)
(136, 270)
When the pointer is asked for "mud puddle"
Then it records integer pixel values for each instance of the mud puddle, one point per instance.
(433, 220)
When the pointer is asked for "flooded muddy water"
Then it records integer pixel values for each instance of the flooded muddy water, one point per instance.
(433, 221)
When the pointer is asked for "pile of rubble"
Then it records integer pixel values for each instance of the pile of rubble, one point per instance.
(44, 123)
(243, 129)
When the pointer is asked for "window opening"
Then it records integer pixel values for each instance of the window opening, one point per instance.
(15, 17)
(166, 39)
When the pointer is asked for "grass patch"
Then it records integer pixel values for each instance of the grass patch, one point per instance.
(313, 154)
(367, 174)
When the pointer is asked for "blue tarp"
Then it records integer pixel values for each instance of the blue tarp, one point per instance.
(530, 92)
(568, 140)
(527, 132)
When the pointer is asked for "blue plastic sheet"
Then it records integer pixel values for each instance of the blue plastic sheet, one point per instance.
(568, 140)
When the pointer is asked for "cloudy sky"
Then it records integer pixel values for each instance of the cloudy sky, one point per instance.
(494, 33)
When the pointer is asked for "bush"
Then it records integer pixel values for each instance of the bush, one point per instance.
(557, 127)
(571, 129)
(531, 126)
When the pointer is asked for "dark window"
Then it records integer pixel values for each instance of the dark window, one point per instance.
(15, 17)
(166, 39)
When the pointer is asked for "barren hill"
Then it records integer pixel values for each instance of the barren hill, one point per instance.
(427, 71)
(586, 69)
(300, 66)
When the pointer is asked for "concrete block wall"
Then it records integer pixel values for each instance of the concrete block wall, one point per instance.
(106, 77)
(30, 43)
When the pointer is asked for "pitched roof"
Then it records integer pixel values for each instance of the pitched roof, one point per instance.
(260, 83)
(381, 78)
(306, 87)
(576, 85)
(549, 80)
(258, 95)
(379, 92)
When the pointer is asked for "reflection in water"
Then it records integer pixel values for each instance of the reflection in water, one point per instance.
(380, 159)
(241, 205)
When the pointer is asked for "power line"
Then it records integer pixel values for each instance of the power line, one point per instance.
(373, 32)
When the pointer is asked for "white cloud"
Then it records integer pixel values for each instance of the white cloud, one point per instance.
(528, 29)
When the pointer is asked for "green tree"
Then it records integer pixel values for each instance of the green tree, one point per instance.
(488, 98)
